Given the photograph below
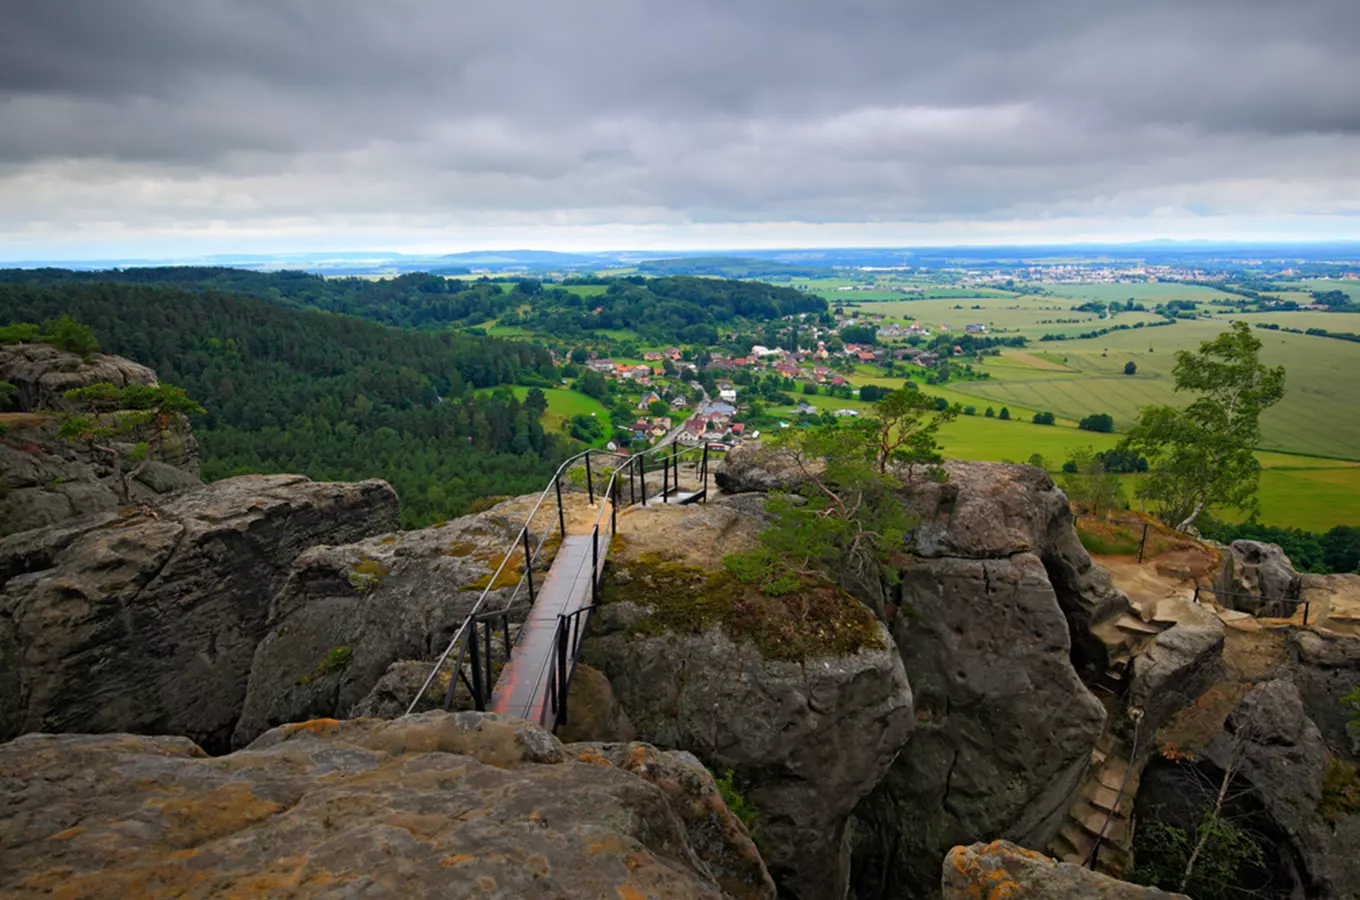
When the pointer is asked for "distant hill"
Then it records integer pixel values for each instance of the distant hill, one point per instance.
(727, 267)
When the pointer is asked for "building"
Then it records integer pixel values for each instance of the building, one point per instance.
(728, 395)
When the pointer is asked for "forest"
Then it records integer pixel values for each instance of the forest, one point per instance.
(678, 309)
(332, 397)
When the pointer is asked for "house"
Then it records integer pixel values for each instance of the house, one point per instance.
(652, 356)
(728, 396)
(738, 428)
(601, 365)
(678, 403)
(838, 381)
(843, 413)
(673, 353)
(975, 329)
(865, 356)
(647, 399)
(805, 408)
(718, 409)
(958, 351)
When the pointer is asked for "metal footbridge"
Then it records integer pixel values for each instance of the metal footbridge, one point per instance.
(535, 673)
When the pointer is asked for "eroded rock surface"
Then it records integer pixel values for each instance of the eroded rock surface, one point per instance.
(1252, 571)
(1001, 869)
(1280, 753)
(347, 613)
(1181, 664)
(148, 623)
(1327, 669)
(435, 805)
(807, 703)
(44, 480)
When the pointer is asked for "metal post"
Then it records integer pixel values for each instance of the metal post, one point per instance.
(614, 504)
(488, 657)
(705, 465)
(595, 564)
(642, 477)
(561, 515)
(675, 466)
(632, 488)
(528, 565)
(1305, 612)
(561, 673)
(505, 633)
(1143, 544)
(1196, 598)
(478, 703)
(590, 484)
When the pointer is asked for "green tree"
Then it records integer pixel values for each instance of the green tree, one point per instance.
(9, 395)
(1099, 422)
(1130, 368)
(592, 384)
(1088, 485)
(905, 427)
(1004, 414)
(1042, 418)
(1201, 456)
(68, 334)
(658, 407)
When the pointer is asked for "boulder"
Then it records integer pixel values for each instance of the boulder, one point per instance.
(1181, 664)
(148, 622)
(1253, 572)
(1278, 751)
(1004, 729)
(43, 373)
(434, 805)
(593, 712)
(718, 837)
(754, 467)
(802, 697)
(1001, 869)
(345, 614)
(1327, 668)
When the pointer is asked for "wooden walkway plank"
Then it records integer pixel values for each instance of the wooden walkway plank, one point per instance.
(521, 689)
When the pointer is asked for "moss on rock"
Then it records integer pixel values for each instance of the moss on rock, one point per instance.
(815, 621)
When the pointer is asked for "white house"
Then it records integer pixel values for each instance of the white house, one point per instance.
(728, 395)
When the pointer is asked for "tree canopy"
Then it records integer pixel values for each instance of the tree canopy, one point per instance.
(1201, 456)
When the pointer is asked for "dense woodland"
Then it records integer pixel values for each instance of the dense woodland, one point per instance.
(677, 310)
(329, 396)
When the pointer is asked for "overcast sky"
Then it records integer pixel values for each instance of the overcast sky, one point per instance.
(157, 127)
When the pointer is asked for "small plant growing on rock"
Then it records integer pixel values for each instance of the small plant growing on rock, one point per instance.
(137, 411)
(367, 574)
(736, 802)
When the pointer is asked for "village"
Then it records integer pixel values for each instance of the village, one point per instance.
(704, 395)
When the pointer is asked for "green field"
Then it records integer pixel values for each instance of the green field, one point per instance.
(1321, 379)
(1305, 319)
(1032, 317)
(563, 404)
(1143, 293)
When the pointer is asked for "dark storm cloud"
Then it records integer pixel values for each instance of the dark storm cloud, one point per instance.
(709, 110)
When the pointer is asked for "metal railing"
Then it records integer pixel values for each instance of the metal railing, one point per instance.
(473, 639)
(1297, 602)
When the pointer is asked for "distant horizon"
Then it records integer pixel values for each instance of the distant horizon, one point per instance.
(377, 253)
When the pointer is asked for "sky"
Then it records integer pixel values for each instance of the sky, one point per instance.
(159, 128)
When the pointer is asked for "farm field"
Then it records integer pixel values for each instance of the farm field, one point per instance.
(1322, 284)
(1305, 319)
(1032, 317)
(1157, 292)
(1321, 380)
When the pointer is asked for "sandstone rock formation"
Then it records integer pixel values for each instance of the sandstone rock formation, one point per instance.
(1253, 570)
(1179, 666)
(1277, 750)
(434, 805)
(43, 373)
(804, 697)
(1001, 869)
(1327, 668)
(149, 622)
(347, 613)
(45, 481)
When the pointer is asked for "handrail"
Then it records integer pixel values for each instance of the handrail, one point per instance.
(530, 558)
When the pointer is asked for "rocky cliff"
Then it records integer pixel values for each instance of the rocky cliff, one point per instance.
(435, 805)
(802, 697)
(46, 481)
(148, 621)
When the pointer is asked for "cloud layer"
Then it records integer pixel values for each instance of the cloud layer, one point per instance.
(143, 121)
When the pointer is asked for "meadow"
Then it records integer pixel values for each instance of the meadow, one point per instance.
(563, 404)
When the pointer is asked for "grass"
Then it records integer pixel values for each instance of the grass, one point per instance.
(563, 405)
(1305, 421)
